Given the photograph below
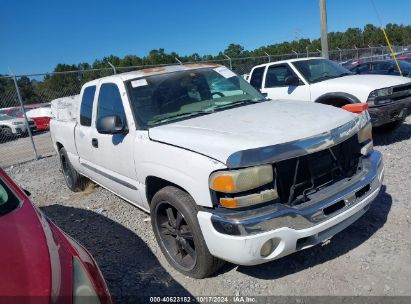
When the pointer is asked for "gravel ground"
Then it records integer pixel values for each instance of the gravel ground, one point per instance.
(371, 257)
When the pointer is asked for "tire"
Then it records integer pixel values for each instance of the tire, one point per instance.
(6, 133)
(391, 126)
(74, 181)
(185, 248)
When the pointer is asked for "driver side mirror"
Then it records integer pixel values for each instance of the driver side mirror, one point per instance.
(112, 124)
(292, 81)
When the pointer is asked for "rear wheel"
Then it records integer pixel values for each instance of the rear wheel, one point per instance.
(175, 225)
(74, 181)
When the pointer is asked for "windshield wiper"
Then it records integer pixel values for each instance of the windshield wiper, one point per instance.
(181, 115)
(331, 76)
(204, 111)
(345, 74)
(323, 78)
(233, 104)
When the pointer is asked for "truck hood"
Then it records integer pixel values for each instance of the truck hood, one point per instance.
(357, 85)
(221, 134)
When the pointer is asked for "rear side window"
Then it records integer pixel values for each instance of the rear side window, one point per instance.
(256, 79)
(86, 109)
(109, 102)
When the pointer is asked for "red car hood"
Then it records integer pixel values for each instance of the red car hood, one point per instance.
(24, 256)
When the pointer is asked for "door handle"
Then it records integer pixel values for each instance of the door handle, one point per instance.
(94, 142)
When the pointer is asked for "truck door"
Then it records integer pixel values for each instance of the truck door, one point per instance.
(276, 87)
(112, 154)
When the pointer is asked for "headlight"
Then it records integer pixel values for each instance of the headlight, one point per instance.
(83, 289)
(364, 119)
(242, 180)
(365, 138)
(365, 133)
(381, 92)
(17, 123)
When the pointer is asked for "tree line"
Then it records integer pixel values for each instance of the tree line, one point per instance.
(58, 85)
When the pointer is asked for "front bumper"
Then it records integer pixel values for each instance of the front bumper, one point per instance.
(291, 229)
(397, 110)
(22, 129)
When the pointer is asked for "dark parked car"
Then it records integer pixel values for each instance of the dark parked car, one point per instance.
(383, 67)
(40, 263)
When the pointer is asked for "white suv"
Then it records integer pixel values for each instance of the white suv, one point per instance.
(12, 126)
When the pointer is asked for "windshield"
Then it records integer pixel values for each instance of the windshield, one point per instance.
(8, 200)
(169, 97)
(404, 65)
(315, 70)
(6, 117)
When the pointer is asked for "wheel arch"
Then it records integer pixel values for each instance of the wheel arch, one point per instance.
(337, 99)
(155, 184)
(59, 146)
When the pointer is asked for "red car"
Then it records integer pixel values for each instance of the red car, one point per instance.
(39, 113)
(41, 117)
(39, 263)
(404, 57)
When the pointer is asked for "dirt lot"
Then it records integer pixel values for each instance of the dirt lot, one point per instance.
(372, 257)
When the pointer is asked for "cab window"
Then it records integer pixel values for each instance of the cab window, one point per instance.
(109, 102)
(276, 75)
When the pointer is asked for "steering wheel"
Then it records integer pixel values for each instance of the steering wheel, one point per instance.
(218, 93)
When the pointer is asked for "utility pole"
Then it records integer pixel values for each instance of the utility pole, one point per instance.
(324, 39)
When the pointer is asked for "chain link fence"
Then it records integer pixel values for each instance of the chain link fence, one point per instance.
(25, 99)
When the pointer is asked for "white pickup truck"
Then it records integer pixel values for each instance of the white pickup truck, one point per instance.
(226, 174)
(324, 81)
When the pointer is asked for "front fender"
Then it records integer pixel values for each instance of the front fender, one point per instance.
(187, 169)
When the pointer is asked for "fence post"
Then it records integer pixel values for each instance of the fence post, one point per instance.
(113, 67)
(25, 117)
(269, 57)
(382, 50)
(229, 59)
(340, 53)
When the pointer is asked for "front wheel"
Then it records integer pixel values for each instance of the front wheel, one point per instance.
(175, 225)
(6, 133)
